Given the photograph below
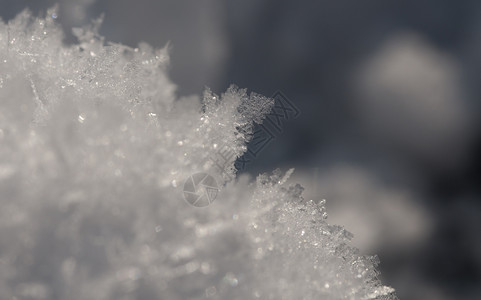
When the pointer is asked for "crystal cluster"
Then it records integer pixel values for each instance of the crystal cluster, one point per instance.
(94, 147)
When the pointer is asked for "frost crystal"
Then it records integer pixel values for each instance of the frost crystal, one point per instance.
(94, 146)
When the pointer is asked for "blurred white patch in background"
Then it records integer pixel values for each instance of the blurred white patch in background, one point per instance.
(411, 99)
(381, 217)
(194, 30)
(75, 11)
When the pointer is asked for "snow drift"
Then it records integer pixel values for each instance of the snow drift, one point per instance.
(94, 147)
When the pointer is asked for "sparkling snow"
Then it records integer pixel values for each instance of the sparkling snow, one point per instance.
(94, 150)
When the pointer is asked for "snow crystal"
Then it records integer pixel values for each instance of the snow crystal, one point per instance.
(94, 148)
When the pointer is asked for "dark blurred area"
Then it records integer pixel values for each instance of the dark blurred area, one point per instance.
(389, 99)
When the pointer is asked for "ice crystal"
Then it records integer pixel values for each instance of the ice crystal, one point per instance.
(94, 146)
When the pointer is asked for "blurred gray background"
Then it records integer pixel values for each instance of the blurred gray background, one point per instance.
(389, 93)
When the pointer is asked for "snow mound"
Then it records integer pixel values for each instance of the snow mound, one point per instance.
(94, 147)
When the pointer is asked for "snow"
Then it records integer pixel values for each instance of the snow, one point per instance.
(94, 148)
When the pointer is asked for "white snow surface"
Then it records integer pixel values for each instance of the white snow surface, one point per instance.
(94, 147)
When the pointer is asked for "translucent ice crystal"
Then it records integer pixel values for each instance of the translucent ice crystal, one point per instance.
(94, 146)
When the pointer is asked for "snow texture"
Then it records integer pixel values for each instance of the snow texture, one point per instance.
(94, 147)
